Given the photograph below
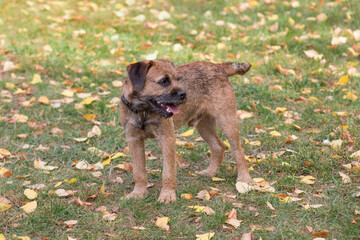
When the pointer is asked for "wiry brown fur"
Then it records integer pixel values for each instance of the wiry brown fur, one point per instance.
(210, 101)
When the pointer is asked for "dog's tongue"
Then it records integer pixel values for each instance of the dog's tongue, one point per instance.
(173, 109)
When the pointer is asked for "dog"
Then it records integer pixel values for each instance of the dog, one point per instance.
(158, 98)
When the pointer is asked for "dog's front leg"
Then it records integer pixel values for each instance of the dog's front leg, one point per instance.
(137, 152)
(166, 139)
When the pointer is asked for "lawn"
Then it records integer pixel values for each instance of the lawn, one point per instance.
(64, 164)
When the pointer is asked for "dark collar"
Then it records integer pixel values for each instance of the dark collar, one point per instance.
(128, 104)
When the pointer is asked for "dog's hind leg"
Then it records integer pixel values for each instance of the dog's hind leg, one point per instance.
(228, 122)
(207, 130)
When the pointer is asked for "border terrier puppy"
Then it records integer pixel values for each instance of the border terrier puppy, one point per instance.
(158, 98)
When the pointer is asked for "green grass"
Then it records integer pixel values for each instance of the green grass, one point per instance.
(43, 33)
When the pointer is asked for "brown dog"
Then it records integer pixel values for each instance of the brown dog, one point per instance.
(158, 98)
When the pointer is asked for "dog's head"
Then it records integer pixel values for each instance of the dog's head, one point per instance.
(156, 84)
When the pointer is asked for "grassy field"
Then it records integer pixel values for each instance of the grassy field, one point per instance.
(62, 64)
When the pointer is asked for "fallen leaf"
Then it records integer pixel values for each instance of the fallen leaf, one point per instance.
(82, 165)
(345, 178)
(205, 236)
(243, 187)
(204, 195)
(323, 233)
(20, 118)
(216, 179)
(307, 179)
(244, 114)
(29, 207)
(233, 222)
(30, 194)
(338, 40)
(88, 101)
(313, 54)
(162, 223)
(186, 196)
(336, 144)
(4, 172)
(275, 134)
(110, 217)
(188, 133)
(270, 206)
(36, 79)
(70, 223)
(44, 100)
(343, 80)
(67, 93)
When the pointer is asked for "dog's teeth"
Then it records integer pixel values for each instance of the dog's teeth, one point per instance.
(168, 110)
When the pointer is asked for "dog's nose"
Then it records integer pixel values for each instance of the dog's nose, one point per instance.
(181, 94)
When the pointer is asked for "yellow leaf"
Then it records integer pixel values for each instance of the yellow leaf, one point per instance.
(67, 93)
(216, 179)
(88, 101)
(220, 46)
(58, 184)
(188, 133)
(22, 237)
(336, 144)
(255, 143)
(2, 237)
(102, 189)
(72, 180)
(9, 85)
(117, 155)
(227, 144)
(44, 100)
(280, 109)
(4, 207)
(36, 79)
(273, 17)
(106, 162)
(20, 118)
(291, 21)
(30, 207)
(162, 223)
(350, 96)
(312, 99)
(205, 236)
(343, 80)
(275, 134)
(30, 194)
(197, 208)
(307, 179)
(90, 116)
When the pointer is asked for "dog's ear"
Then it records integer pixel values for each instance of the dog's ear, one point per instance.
(137, 73)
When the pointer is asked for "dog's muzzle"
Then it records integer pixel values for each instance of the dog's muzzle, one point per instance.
(166, 105)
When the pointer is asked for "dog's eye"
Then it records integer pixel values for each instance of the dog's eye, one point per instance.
(165, 81)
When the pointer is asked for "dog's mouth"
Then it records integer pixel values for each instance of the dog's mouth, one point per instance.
(163, 108)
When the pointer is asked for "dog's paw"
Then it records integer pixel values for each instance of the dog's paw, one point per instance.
(137, 194)
(207, 172)
(167, 196)
(244, 178)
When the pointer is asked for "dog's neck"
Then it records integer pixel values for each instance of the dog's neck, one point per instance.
(128, 104)
(132, 108)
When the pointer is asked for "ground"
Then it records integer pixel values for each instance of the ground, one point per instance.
(62, 65)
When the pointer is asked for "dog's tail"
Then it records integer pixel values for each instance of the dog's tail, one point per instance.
(233, 68)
